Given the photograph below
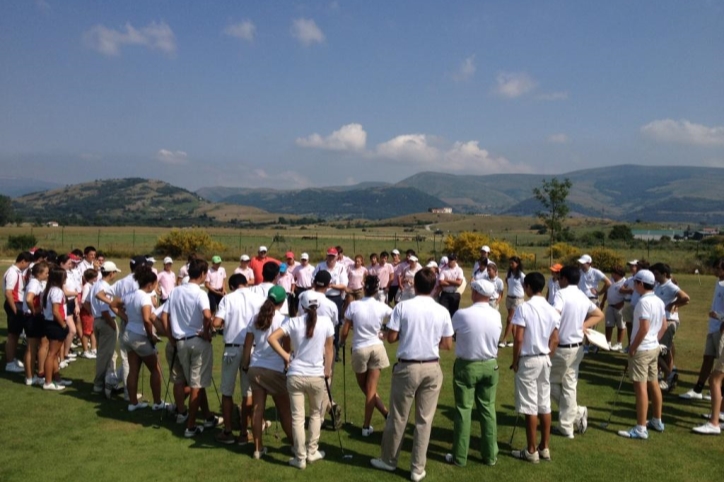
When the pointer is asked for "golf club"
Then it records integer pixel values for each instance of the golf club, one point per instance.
(143, 379)
(217, 391)
(615, 399)
(276, 423)
(344, 380)
(517, 417)
(339, 435)
(168, 382)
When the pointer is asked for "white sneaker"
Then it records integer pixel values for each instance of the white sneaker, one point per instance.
(617, 347)
(691, 395)
(163, 406)
(417, 476)
(63, 364)
(53, 386)
(29, 382)
(13, 367)
(88, 355)
(259, 453)
(94, 352)
(382, 465)
(707, 429)
(366, 432)
(318, 455)
(708, 416)
(138, 406)
(72, 356)
(182, 417)
(654, 424)
(189, 433)
(523, 454)
(634, 433)
(298, 463)
(501, 345)
(544, 454)
(19, 363)
(708, 397)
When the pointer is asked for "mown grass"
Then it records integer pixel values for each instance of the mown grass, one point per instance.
(75, 435)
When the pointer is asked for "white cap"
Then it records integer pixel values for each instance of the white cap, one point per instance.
(585, 259)
(262, 248)
(485, 248)
(431, 264)
(484, 287)
(645, 276)
(413, 258)
(244, 257)
(443, 260)
(167, 260)
(150, 260)
(395, 251)
(110, 267)
(309, 298)
(633, 262)
(305, 256)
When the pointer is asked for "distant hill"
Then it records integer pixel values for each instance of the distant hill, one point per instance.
(130, 201)
(19, 186)
(220, 193)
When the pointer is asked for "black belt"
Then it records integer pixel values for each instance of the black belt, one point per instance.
(233, 345)
(186, 338)
(530, 356)
(449, 292)
(431, 360)
(514, 297)
(572, 345)
(593, 298)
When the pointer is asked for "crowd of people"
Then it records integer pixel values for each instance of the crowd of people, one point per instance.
(285, 322)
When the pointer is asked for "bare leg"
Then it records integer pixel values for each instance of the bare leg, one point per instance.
(154, 368)
(545, 429)
(642, 402)
(134, 368)
(715, 381)
(42, 356)
(258, 404)
(30, 354)
(284, 412)
(51, 361)
(656, 400)
(531, 424)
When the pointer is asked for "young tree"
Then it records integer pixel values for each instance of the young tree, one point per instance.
(621, 232)
(552, 196)
(7, 213)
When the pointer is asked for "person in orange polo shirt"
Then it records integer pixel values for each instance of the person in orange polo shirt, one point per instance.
(257, 264)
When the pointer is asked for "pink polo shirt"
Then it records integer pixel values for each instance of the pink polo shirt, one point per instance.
(356, 277)
(216, 277)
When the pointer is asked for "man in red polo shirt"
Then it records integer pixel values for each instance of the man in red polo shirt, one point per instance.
(257, 264)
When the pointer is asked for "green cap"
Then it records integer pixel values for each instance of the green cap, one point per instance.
(277, 294)
(216, 259)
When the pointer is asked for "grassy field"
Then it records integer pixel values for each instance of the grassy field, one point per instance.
(75, 435)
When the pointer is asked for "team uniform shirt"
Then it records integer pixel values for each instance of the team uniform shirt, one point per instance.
(167, 282)
(717, 306)
(421, 323)
(134, 303)
(385, 272)
(74, 282)
(238, 309)
(480, 272)
(263, 355)
(86, 292)
(613, 295)
(650, 307)
(257, 266)
(573, 307)
(36, 288)
(85, 265)
(124, 286)
(263, 291)
(356, 277)
(539, 319)
(668, 293)
(185, 308)
(286, 281)
(553, 288)
(450, 274)
(397, 272)
(308, 360)
(303, 275)
(216, 277)
(629, 284)
(408, 278)
(367, 316)
(55, 296)
(98, 306)
(339, 276)
(15, 282)
(477, 331)
(499, 288)
(247, 272)
(515, 285)
(183, 271)
(590, 280)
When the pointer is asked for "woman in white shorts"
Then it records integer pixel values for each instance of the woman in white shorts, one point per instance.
(140, 339)
(497, 282)
(369, 356)
(515, 297)
(312, 343)
(265, 368)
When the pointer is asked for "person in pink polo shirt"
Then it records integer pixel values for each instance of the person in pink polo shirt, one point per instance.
(166, 279)
(215, 283)
(245, 269)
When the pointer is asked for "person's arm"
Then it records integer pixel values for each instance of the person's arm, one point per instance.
(10, 301)
(167, 328)
(662, 330)
(446, 343)
(57, 316)
(119, 309)
(328, 356)
(553, 342)
(274, 341)
(393, 336)
(643, 331)
(682, 299)
(593, 318)
(248, 344)
(345, 331)
(148, 316)
(517, 346)
(218, 322)
(29, 298)
(206, 330)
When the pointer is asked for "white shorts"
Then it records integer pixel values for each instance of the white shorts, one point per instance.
(533, 385)
(614, 318)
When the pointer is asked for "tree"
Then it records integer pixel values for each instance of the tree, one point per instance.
(621, 232)
(7, 213)
(552, 196)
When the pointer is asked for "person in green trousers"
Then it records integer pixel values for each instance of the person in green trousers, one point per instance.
(475, 374)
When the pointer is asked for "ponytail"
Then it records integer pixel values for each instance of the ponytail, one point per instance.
(311, 320)
(266, 315)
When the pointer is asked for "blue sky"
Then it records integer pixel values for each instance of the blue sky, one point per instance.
(296, 94)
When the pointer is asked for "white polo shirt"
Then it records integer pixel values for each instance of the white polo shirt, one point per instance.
(167, 282)
(477, 331)
(553, 288)
(450, 274)
(717, 306)
(262, 290)
(408, 278)
(367, 316)
(303, 275)
(185, 308)
(216, 277)
(36, 288)
(574, 307)
(98, 306)
(55, 296)
(338, 273)
(421, 323)
(540, 319)
(238, 309)
(515, 286)
(650, 307)
(308, 360)
(124, 286)
(629, 284)
(480, 273)
(248, 273)
(668, 292)
(590, 280)
(134, 303)
(263, 355)
(613, 295)
(14, 281)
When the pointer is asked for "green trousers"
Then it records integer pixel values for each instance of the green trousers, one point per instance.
(475, 383)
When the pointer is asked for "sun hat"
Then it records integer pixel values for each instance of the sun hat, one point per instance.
(645, 276)
(244, 257)
(110, 267)
(216, 259)
(167, 260)
(310, 298)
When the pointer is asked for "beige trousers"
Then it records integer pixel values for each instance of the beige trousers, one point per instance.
(314, 388)
(564, 381)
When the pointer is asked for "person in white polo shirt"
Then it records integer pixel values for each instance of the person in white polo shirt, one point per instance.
(451, 278)
(423, 328)
(236, 311)
(475, 374)
(516, 296)
(498, 283)
(245, 269)
(591, 279)
(369, 357)
(480, 268)
(536, 338)
(14, 289)
(628, 290)
(105, 329)
(337, 288)
(187, 317)
(553, 284)
(578, 314)
(407, 278)
(614, 311)
(215, 279)
(303, 273)
(649, 325)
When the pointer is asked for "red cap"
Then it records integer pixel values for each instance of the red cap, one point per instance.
(332, 252)
(74, 258)
(289, 254)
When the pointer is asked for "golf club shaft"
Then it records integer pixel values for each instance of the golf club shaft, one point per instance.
(615, 398)
(344, 381)
(517, 418)
(339, 436)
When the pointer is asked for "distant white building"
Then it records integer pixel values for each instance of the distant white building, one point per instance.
(440, 210)
(52, 224)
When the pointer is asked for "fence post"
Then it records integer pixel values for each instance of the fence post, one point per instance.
(62, 236)
(316, 241)
(98, 244)
(354, 244)
(134, 241)
(395, 240)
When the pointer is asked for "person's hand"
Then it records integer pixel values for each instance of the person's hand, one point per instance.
(632, 351)
(714, 314)
(327, 373)
(514, 366)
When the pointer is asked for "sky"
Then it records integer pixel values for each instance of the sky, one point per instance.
(298, 94)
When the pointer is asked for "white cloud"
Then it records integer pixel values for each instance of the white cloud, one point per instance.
(244, 30)
(684, 132)
(469, 157)
(558, 139)
(466, 70)
(350, 137)
(306, 31)
(107, 41)
(172, 157)
(513, 84)
(553, 96)
(410, 148)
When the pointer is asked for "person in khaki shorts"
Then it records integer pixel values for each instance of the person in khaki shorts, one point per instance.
(649, 324)
(367, 317)
(186, 315)
(422, 327)
(713, 427)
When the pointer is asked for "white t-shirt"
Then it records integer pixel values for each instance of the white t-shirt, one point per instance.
(408, 278)
(650, 307)
(308, 353)
(262, 289)
(36, 288)
(14, 281)
(98, 306)
(55, 296)
(238, 309)
(540, 320)
(668, 293)
(717, 306)
(73, 281)
(613, 296)
(263, 355)
(185, 308)
(553, 288)
(216, 277)
(590, 280)
(574, 307)
(85, 293)
(477, 331)
(515, 285)
(629, 284)
(134, 303)
(450, 274)
(338, 273)
(367, 316)
(421, 323)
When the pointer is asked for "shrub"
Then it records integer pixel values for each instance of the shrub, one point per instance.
(22, 242)
(562, 251)
(467, 247)
(603, 258)
(179, 243)
(620, 232)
